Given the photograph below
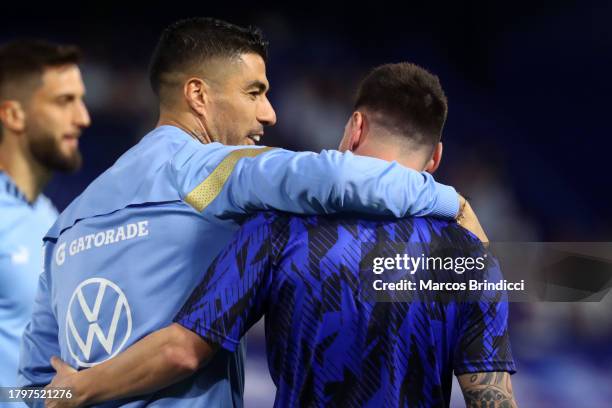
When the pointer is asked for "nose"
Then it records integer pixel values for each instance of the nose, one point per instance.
(82, 119)
(266, 114)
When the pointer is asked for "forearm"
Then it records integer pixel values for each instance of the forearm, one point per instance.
(155, 362)
(492, 389)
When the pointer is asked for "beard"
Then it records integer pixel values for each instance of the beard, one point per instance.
(46, 150)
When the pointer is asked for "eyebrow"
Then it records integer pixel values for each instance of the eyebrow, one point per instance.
(69, 95)
(65, 96)
(261, 87)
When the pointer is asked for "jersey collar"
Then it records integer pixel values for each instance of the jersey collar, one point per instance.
(9, 187)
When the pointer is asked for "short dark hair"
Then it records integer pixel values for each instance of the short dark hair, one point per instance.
(408, 99)
(198, 39)
(21, 60)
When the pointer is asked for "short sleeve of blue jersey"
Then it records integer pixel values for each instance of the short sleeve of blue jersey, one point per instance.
(483, 344)
(233, 292)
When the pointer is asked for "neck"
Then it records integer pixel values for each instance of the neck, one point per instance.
(27, 174)
(186, 122)
(412, 160)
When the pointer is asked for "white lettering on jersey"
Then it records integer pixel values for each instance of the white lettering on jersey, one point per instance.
(100, 239)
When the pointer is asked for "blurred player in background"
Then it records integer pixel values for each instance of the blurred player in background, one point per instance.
(123, 257)
(327, 343)
(42, 115)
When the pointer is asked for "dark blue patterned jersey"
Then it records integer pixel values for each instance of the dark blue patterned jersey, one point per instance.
(328, 341)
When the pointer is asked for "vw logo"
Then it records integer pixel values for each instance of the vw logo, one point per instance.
(98, 316)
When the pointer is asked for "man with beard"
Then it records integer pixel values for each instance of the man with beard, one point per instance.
(42, 115)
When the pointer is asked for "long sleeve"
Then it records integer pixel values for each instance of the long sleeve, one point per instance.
(230, 180)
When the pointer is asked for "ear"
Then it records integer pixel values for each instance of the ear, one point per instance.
(436, 157)
(195, 92)
(12, 116)
(357, 130)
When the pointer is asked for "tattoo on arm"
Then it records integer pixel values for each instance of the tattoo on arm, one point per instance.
(487, 390)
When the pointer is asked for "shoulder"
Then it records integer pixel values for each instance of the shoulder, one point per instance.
(212, 154)
(46, 207)
(13, 212)
(444, 236)
(445, 229)
(408, 229)
(207, 167)
(267, 221)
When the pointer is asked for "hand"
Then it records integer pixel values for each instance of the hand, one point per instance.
(65, 378)
(468, 220)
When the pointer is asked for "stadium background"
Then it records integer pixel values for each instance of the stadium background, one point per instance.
(527, 138)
